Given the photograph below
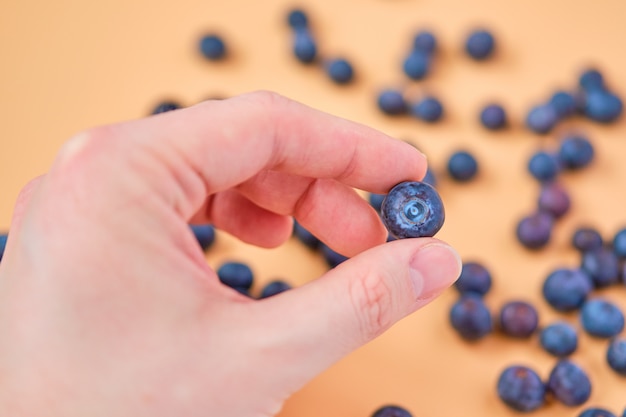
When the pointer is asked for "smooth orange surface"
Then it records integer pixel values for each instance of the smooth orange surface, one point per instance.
(69, 65)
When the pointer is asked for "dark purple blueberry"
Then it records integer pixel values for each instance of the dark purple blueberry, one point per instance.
(601, 318)
(412, 209)
(521, 388)
(165, 106)
(534, 231)
(3, 243)
(304, 236)
(212, 47)
(392, 102)
(603, 106)
(430, 178)
(554, 200)
(416, 65)
(425, 41)
(619, 243)
(274, 287)
(493, 117)
(542, 119)
(297, 19)
(559, 339)
(567, 289)
(569, 383)
(543, 166)
(602, 265)
(205, 235)
(332, 257)
(591, 79)
(518, 319)
(340, 71)
(462, 166)
(575, 152)
(376, 200)
(471, 318)
(616, 355)
(392, 411)
(586, 239)
(236, 275)
(304, 46)
(475, 278)
(596, 412)
(564, 103)
(480, 44)
(428, 109)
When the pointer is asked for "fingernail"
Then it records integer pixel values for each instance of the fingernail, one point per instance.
(433, 269)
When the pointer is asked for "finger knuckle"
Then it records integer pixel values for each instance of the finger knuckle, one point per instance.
(371, 298)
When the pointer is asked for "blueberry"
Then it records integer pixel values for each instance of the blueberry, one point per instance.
(304, 46)
(212, 47)
(416, 65)
(543, 166)
(425, 41)
(470, 317)
(165, 106)
(586, 239)
(332, 257)
(480, 44)
(569, 383)
(567, 289)
(475, 278)
(297, 19)
(521, 388)
(205, 235)
(596, 412)
(616, 356)
(430, 178)
(391, 411)
(376, 200)
(575, 152)
(559, 339)
(601, 318)
(554, 200)
(304, 236)
(273, 288)
(619, 243)
(392, 102)
(534, 231)
(462, 166)
(3, 243)
(412, 209)
(518, 319)
(235, 275)
(340, 71)
(493, 117)
(428, 109)
(564, 103)
(602, 265)
(591, 79)
(541, 119)
(603, 106)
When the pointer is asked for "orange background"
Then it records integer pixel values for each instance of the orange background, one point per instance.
(68, 65)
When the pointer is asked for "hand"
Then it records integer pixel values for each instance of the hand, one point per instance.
(107, 304)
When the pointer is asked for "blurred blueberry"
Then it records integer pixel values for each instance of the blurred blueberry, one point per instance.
(603, 106)
(425, 41)
(205, 235)
(616, 355)
(569, 383)
(212, 47)
(340, 71)
(165, 106)
(602, 265)
(601, 318)
(462, 166)
(304, 236)
(376, 200)
(543, 166)
(470, 317)
(273, 288)
(596, 412)
(430, 178)
(586, 239)
(591, 79)
(542, 119)
(475, 278)
(493, 117)
(518, 319)
(392, 411)
(567, 289)
(619, 243)
(575, 152)
(235, 275)
(521, 388)
(3, 243)
(534, 231)
(332, 257)
(564, 103)
(392, 102)
(428, 109)
(559, 339)
(554, 199)
(416, 65)
(304, 46)
(297, 19)
(480, 44)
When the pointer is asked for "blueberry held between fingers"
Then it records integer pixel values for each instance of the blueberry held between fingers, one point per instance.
(616, 355)
(521, 388)
(567, 289)
(569, 383)
(601, 318)
(412, 209)
(559, 339)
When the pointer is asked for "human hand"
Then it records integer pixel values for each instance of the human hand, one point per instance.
(107, 304)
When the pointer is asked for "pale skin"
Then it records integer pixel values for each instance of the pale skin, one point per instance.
(109, 308)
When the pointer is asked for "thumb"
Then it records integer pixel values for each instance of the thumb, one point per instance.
(355, 302)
